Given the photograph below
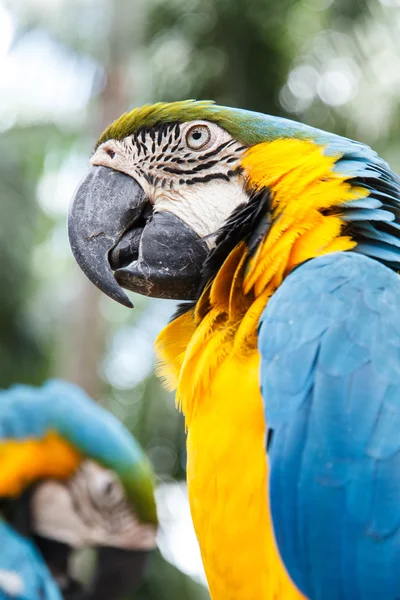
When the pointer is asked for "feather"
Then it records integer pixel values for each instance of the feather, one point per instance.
(367, 215)
(382, 251)
(23, 572)
(335, 454)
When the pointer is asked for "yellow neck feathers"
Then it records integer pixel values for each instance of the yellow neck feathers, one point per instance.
(306, 199)
(307, 195)
(23, 462)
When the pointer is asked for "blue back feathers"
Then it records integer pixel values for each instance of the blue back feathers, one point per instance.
(329, 341)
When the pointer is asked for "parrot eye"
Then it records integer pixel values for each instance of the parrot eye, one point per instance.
(198, 136)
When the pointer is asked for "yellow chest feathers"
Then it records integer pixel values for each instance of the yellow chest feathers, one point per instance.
(227, 471)
(227, 482)
(210, 356)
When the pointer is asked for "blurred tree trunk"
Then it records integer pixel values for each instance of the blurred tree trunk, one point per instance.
(87, 336)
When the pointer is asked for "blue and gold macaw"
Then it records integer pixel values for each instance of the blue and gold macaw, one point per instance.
(285, 242)
(71, 476)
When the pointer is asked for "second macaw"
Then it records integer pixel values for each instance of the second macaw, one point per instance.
(71, 476)
(285, 242)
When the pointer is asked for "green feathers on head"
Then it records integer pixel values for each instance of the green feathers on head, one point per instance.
(247, 127)
(150, 115)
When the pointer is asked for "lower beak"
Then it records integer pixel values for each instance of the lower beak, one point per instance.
(57, 556)
(112, 227)
(169, 260)
(118, 573)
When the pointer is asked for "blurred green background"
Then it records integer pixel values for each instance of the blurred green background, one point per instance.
(68, 68)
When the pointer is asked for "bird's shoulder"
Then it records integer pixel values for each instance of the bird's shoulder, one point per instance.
(334, 314)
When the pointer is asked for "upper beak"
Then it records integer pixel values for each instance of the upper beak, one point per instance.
(112, 227)
(104, 206)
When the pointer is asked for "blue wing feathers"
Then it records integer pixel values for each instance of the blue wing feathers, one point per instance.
(330, 377)
(371, 233)
(368, 202)
(23, 573)
(374, 220)
(380, 250)
(383, 443)
(363, 214)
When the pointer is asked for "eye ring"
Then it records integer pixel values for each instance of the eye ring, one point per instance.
(198, 136)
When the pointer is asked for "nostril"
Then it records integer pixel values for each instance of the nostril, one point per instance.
(110, 152)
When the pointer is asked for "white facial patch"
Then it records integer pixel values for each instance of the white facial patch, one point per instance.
(91, 509)
(204, 207)
(191, 170)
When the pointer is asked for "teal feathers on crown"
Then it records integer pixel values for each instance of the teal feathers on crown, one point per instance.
(63, 408)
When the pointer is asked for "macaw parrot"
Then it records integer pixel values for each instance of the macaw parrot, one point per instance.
(283, 241)
(71, 476)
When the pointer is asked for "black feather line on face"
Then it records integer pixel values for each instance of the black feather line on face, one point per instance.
(249, 223)
(156, 134)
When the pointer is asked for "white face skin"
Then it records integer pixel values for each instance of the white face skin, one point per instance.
(190, 170)
(90, 509)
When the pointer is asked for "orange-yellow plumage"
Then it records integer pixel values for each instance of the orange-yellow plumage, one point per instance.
(25, 461)
(303, 183)
(215, 365)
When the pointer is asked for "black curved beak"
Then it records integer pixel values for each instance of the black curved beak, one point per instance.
(118, 573)
(118, 240)
(57, 556)
(104, 206)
